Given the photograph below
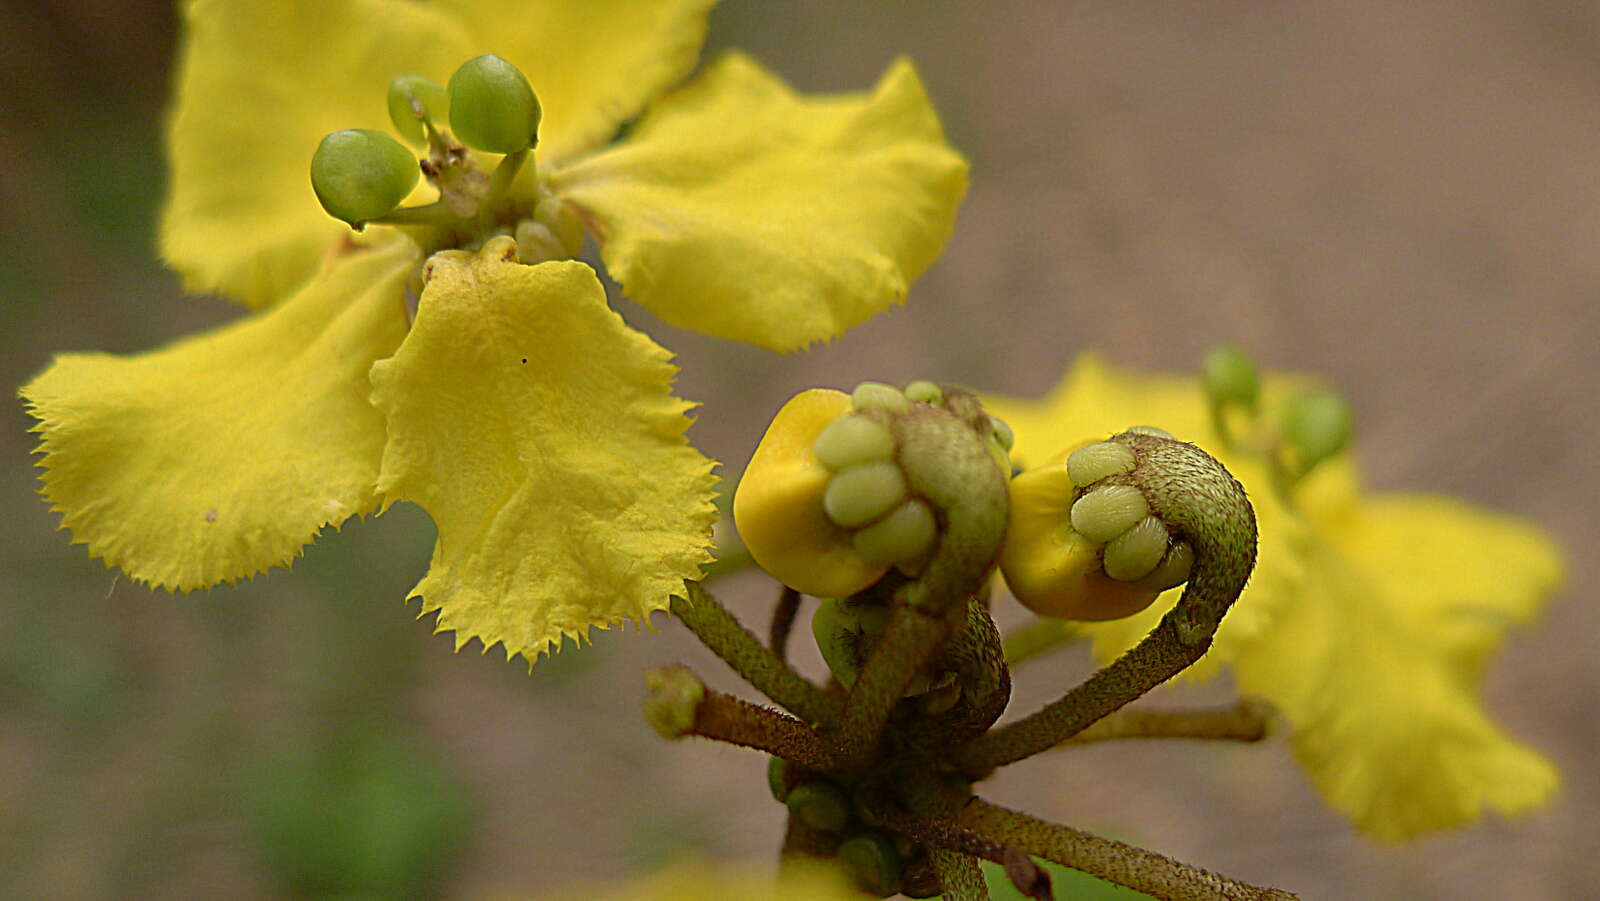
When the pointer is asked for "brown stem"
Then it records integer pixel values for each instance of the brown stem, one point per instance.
(959, 876)
(782, 622)
(946, 835)
(728, 719)
(1125, 865)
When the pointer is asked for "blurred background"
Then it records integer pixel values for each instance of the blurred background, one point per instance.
(1402, 196)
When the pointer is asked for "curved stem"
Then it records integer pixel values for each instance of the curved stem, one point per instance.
(753, 661)
(783, 622)
(1125, 865)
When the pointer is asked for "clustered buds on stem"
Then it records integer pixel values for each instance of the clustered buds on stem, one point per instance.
(891, 505)
(362, 176)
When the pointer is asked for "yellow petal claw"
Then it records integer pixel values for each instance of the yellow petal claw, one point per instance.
(778, 506)
(222, 455)
(541, 435)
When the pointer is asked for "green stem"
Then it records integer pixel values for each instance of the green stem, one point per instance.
(1200, 501)
(1245, 721)
(1125, 865)
(501, 180)
(753, 661)
(910, 640)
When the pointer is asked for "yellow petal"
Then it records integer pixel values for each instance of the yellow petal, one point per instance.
(740, 209)
(223, 454)
(778, 505)
(1384, 709)
(1096, 400)
(593, 63)
(541, 435)
(259, 83)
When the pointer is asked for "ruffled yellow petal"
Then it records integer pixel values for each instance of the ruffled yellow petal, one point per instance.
(222, 455)
(593, 63)
(259, 83)
(541, 435)
(740, 209)
(1095, 400)
(1378, 676)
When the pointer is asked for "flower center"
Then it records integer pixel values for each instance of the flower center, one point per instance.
(362, 176)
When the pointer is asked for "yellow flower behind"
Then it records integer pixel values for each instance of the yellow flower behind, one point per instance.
(1367, 623)
(501, 394)
(696, 880)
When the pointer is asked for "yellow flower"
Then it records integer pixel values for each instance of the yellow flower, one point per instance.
(1367, 623)
(537, 429)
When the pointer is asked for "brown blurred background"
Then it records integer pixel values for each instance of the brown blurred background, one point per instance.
(1403, 196)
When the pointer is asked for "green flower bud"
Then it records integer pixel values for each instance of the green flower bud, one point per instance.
(925, 392)
(1316, 424)
(1135, 553)
(492, 106)
(1106, 512)
(905, 534)
(873, 861)
(406, 94)
(878, 396)
(778, 778)
(837, 630)
(1155, 430)
(674, 700)
(1230, 377)
(820, 805)
(852, 440)
(860, 494)
(1090, 464)
(360, 174)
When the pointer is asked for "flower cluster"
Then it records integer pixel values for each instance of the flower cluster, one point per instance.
(476, 370)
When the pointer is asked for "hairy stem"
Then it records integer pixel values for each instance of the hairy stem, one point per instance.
(753, 661)
(909, 641)
(1125, 865)
(783, 622)
(1245, 720)
(725, 718)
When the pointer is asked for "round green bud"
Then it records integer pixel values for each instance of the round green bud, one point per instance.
(820, 805)
(1173, 570)
(860, 494)
(852, 440)
(878, 396)
(361, 174)
(1230, 377)
(872, 617)
(1316, 423)
(1108, 511)
(873, 861)
(492, 106)
(1002, 432)
(905, 534)
(778, 778)
(1090, 464)
(413, 98)
(925, 392)
(1135, 553)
